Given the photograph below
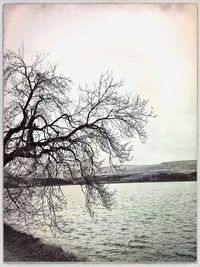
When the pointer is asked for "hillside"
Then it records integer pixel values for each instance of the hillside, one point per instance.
(163, 172)
(166, 171)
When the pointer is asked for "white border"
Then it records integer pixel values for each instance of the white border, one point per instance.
(2, 264)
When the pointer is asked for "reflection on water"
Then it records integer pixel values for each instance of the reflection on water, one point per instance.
(149, 222)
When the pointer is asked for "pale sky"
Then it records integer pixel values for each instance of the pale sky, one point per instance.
(153, 47)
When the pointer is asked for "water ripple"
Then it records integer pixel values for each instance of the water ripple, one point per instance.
(151, 222)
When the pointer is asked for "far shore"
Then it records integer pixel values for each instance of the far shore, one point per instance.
(177, 171)
(111, 179)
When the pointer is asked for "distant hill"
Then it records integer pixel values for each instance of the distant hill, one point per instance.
(163, 172)
(166, 171)
(171, 166)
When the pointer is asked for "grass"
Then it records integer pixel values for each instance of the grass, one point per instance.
(23, 247)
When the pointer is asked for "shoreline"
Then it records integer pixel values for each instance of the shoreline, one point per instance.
(115, 179)
(22, 247)
(178, 171)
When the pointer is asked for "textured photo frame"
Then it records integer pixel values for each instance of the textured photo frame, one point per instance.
(140, 264)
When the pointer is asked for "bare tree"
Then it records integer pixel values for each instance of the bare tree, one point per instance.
(47, 132)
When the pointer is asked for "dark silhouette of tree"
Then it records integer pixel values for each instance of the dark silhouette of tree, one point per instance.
(47, 132)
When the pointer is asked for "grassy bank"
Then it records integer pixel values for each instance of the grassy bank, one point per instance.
(23, 247)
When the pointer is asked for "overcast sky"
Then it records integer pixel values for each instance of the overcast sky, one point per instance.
(153, 47)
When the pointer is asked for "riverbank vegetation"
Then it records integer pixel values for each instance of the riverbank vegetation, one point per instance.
(23, 247)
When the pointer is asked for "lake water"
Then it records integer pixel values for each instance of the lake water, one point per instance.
(150, 222)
